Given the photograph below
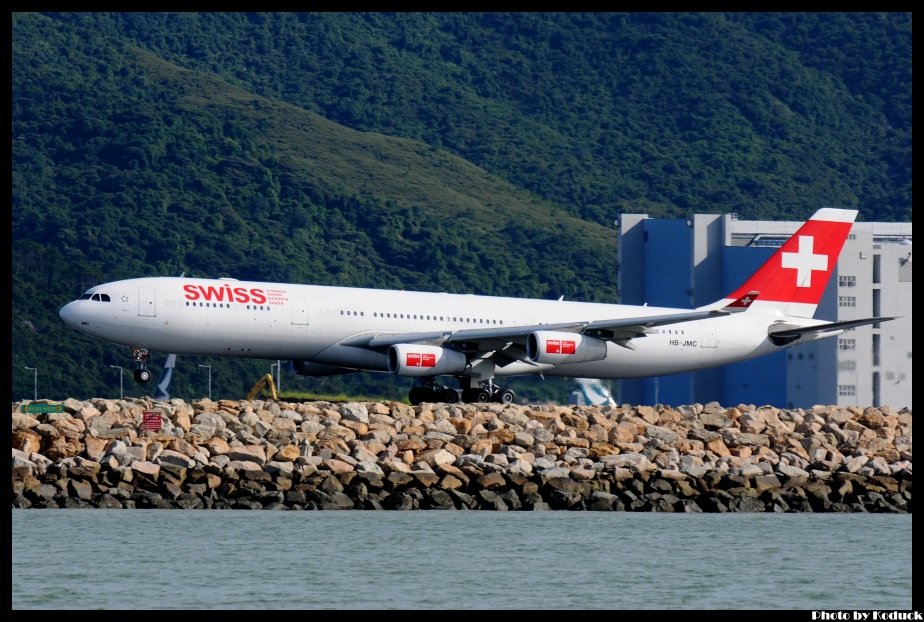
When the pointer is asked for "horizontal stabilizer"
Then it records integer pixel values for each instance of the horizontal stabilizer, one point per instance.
(787, 334)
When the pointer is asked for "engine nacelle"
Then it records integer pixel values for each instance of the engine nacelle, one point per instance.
(406, 359)
(546, 346)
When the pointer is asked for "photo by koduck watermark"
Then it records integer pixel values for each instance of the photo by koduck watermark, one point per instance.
(867, 615)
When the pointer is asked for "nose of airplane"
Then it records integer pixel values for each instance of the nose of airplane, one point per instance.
(69, 314)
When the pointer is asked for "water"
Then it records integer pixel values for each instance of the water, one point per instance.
(238, 559)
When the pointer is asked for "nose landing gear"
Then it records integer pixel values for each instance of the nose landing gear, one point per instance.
(140, 355)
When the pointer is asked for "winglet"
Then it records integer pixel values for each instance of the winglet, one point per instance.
(742, 303)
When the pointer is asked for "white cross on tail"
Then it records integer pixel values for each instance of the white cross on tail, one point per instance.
(805, 261)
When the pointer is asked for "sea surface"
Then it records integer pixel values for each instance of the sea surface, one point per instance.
(428, 559)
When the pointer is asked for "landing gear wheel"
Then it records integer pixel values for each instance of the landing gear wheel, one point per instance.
(448, 395)
(142, 375)
(505, 396)
(140, 356)
(476, 395)
(419, 395)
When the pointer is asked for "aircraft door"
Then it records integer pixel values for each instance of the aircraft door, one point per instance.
(147, 301)
(707, 339)
(299, 310)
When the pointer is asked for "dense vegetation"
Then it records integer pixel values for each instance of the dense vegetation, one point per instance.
(484, 153)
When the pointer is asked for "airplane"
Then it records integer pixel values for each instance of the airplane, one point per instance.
(329, 330)
(591, 392)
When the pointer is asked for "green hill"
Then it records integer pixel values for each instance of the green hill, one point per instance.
(484, 153)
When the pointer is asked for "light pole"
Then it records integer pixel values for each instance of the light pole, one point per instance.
(34, 382)
(209, 367)
(278, 375)
(276, 365)
(120, 379)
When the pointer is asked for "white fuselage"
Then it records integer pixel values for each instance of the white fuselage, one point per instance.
(314, 323)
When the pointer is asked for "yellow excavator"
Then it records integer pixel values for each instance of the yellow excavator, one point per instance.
(262, 383)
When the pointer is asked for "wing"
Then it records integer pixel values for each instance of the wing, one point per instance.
(509, 343)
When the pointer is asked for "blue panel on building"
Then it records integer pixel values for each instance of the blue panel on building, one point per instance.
(667, 263)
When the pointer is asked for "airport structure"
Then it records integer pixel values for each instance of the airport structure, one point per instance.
(693, 262)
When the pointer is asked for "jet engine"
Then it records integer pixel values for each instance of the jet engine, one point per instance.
(545, 346)
(406, 359)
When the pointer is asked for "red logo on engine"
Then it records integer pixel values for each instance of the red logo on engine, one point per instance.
(560, 346)
(417, 359)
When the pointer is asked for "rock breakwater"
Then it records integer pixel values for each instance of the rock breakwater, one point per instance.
(388, 455)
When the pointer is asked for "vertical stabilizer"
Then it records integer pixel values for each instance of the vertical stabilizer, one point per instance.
(793, 280)
(160, 393)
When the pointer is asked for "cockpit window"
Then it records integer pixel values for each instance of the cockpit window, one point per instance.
(95, 297)
(104, 297)
(98, 297)
(84, 297)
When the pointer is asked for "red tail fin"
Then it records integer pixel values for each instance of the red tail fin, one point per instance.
(795, 276)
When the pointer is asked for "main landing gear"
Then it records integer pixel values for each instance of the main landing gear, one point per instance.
(140, 355)
(486, 391)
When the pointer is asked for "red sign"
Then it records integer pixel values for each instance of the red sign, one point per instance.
(151, 421)
(560, 346)
(418, 359)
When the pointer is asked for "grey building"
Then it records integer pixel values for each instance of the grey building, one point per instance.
(693, 262)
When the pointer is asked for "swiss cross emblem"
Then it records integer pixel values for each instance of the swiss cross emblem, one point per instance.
(805, 261)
